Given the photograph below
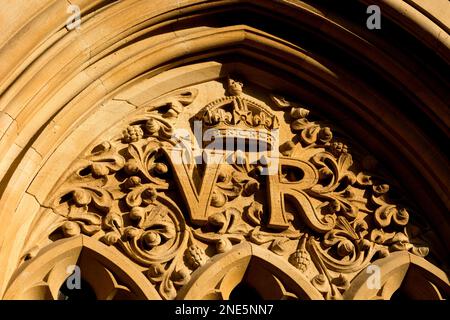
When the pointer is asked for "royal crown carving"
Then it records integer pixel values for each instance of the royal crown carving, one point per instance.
(237, 116)
(320, 210)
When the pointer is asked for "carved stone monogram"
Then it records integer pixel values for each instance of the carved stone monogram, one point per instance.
(170, 202)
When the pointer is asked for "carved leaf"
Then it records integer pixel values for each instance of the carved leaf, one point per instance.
(278, 246)
(106, 160)
(254, 213)
(145, 193)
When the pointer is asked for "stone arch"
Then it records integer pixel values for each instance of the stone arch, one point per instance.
(418, 278)
(109, 274)
(248, 262)
(56, 79)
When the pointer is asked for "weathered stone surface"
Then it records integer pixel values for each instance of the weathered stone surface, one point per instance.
(175, 155)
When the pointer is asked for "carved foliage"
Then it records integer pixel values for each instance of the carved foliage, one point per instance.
(124, 193)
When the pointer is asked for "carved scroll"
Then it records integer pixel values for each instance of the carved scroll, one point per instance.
(318, 210)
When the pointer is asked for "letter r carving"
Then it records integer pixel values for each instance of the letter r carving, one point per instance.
(294, 177)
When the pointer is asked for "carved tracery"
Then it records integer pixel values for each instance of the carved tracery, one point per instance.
(144, 191)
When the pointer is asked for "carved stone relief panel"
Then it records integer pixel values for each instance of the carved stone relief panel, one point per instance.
(205, 168)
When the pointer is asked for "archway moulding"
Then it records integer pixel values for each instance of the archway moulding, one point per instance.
(66, 88)
(110, 274)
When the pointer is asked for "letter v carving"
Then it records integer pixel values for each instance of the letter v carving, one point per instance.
(196, 194)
